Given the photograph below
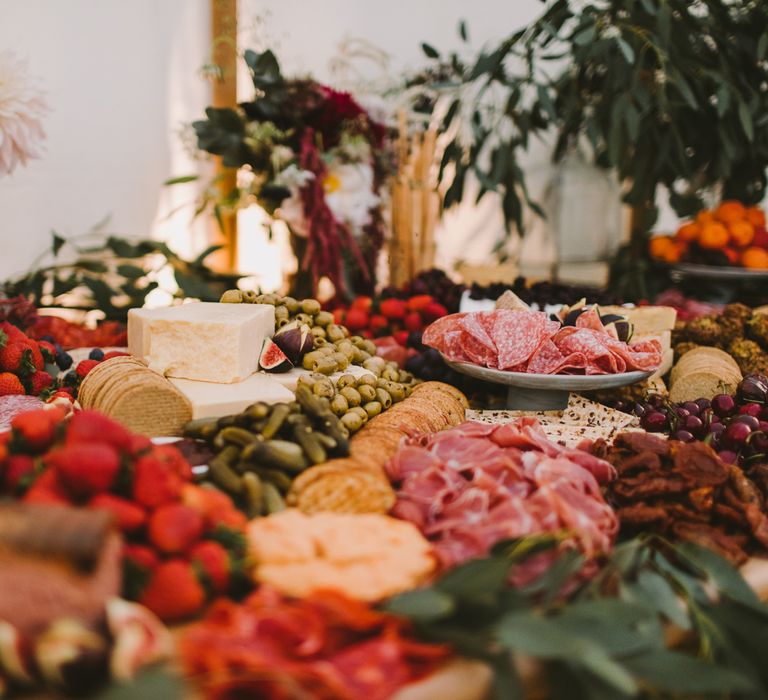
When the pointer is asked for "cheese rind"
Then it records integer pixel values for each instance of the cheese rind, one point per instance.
(210, 400)
(207, 342)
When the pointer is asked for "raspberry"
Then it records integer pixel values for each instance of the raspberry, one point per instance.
(174, 528)
(174, 591)
(85, 366)
(10, 384)
(85, 468)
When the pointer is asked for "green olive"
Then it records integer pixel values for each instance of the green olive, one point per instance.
(281, 314)
(334, 332)
(318, 332)
(341, 360)
(352, 395)
(345, 380)
(373, 408)
(326, 349)
(405, 377)
(392, 375)
(339, 404)
(360, 411)
(249, 296)
(396, 391)
(376, 365)
(383, 397)
(311, 306)
(325, 365)
(352, 422)
(367, 392)
(305, 318)
(367, 379)
(291, 304)
(320, 343)
(324, 387)
(369, 346)
(357, 341)
(324, 318)
(309, 360)
(232, 296)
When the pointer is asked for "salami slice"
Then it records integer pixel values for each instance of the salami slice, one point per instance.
(547, 359)
(518, 334)
(436, 335)
(590, 319)
(591, 344)
(476, 343)
(11, 406)
(642, 356)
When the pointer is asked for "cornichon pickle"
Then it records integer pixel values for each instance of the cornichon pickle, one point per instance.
(273, 501)
(226, 421)
(281, 454)
(257, 411)
(276, 419)
(327, 441)
(202, 429)
(232, 296)
(253, 491)
(367, 392)
(239, 436)
(312, 447)
(352, 395)
(222, 473)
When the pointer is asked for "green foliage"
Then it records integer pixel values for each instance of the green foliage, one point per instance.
(666, 92)
(608, 638)
(113, 275)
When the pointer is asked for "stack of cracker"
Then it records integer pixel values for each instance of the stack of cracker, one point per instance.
(358, 484)
(702, 373)
(126, 390)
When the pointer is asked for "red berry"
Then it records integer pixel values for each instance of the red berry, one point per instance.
(413, 322)
(174, 528)
(37, 428)
(378, 324)
(419, 302)
(12, 356)
(154, 483)
(39, 382)
(19, 472)
(85, 468)
(214, 505)
(128, 516)
(214, 561)
(10, 384)
(362, 303)
(115, 353)
(141, 555)
(85, 366)
(92, 426)
(174, 591)
(35, 355)
(393, 309)
(357, 319)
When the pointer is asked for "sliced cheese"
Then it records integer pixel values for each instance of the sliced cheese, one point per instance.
(207, 342)
(210, 400)
(647, 320)
(290, 380)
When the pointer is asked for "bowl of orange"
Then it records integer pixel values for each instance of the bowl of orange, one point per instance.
(732, 235)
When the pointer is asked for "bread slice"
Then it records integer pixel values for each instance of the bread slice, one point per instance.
(703, 384)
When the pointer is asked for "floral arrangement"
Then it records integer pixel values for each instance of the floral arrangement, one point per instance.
(312, 157)
(21, 109)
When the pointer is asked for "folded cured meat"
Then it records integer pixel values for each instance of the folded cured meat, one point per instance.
(56, 562)
(529, 341)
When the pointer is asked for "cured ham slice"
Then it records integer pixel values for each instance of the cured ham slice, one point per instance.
(471, 486)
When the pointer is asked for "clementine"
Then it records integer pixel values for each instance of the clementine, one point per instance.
(661, 246)
(688, 232)
(714, 236)
(730, 210)
(705, 217)
(755, 258)
(742, 233)
(756, 216)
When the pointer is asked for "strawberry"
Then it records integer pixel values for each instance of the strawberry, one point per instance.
(48, 350)
(128, 516)
(39, 381)
(357, 319)
(115, 353)
(174, 460)
(47, 489)
(362, 303)
(413, 321)
(154, 483)
(214, 561)
(12, 333)
(19, 472)
(402, 338)
(173, 592)
(214, 505)
(36, 356)
(85, 469)
(37, 429)
(419, 302)
(340, 316)
(12, 356)
(434, 311)
(141, 555)
(174, 528)
(92, 426)
(393, 309)
(85, 366)
(379, 325)
(139, 445)
(10, 384)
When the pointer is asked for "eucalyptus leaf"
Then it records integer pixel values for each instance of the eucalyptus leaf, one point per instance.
(745, 116)
(131, 271)
(57, 243)
(463, 30)
(429, 51)
(626, 50)
(425, 604)
(181, 180)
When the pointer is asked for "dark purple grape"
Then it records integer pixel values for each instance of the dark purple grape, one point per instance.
(695, 426)
(750, 409)
(728, 456)
(751, 421)
(723, 405)
(752, 388)
(703, 403)
(655, 401)
(736, 435)
(716, 428)
(692, 407)
(763, 426)
(682, 436)
(682, 413)
(654, 422)
(759, 442)
(763, 413)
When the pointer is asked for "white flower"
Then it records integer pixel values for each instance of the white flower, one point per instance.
(349, 194)
(21, 110)
(292, 208)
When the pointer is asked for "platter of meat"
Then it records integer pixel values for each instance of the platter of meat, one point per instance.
(541, 358)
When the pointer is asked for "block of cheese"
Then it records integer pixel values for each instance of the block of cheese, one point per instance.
(646, 319)
(290, 379)
(207, 342)
(210, 400)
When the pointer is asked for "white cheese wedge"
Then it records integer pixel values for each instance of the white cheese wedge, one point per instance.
(646, 319)
(207, 342)
(290, 379)
(211, 400)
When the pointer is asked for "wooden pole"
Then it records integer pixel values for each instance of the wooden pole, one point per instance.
(224, 57)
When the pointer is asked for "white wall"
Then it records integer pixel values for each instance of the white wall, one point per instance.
(104, 65)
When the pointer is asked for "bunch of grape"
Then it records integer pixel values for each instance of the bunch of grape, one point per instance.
(545, 293)
(735, 426)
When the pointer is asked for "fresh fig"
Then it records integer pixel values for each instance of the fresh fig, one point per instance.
(570, 314)
(273, 359)
(295, 340)
(621, 324)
